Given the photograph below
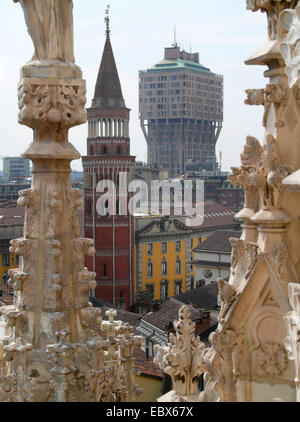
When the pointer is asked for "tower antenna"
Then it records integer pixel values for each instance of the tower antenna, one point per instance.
(107, 20)
(175, 40)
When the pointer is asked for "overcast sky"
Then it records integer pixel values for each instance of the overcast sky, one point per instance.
(222, 31)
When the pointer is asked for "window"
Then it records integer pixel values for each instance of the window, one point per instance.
(178, 246)
(178, 266)
(164, 248)
(164, 290)
(164, 268)
(104, 270)
(5, 260)
(192, 283)
(149, 248)
(178, 287)
(150, 290)
(150, 270)
(149, 348)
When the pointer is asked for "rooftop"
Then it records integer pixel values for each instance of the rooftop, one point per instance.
(204, 297)
(12, 216)
(108, 92)
(179, 64)
(219, 241)
(168, 313)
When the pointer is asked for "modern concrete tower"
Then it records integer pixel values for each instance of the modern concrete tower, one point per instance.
(108, 148)
(181, 112)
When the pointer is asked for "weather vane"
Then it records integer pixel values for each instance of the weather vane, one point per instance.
(107, 20)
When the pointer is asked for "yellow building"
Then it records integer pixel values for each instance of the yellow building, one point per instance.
(164, 258)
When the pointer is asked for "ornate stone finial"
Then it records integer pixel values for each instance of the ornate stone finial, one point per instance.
(111, 314)
(107, 20)
(182, 358)
(110, 328)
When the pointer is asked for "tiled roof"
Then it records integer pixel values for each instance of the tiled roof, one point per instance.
(204, 297)
(168, 313)
(217, 215)
(12, 216)
(219, 241)
(145, 365)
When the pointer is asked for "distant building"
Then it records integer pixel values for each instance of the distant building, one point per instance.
(213, 257)
(108, 155)
(181, 112)
(231, 196)
(15, 169)
(164, 251)
(10, 191)
(163, 256)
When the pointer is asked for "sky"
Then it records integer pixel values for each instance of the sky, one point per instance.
(222, 31)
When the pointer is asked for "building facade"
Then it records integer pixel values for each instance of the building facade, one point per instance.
(181, 112)
(213, 257)
(108, 149)
(15, 169)
(163, 257)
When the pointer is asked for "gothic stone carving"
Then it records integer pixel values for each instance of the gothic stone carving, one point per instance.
(292, 342)
(50, 25)
(290, 47)
(182, 358)
(273, 10)
(55, 106)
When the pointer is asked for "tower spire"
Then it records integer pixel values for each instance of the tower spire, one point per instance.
(107, 20)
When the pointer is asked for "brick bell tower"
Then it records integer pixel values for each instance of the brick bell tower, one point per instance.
(108, 155)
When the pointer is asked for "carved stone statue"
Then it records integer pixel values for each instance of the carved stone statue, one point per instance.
(50, 25)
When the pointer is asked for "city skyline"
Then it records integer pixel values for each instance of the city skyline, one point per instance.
(221, 36)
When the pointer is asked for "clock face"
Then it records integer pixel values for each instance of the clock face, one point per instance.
(208, 273)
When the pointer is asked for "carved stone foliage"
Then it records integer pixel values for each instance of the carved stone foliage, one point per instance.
(250, 175)
(275, 172)
(60, 105)
(30, 198)
(223, 365)
(292, 342)
(273, 8)
(54, 211)
(290, 47)
(182, 358)
(228, 295)
(261, 174)
(83, 247)
(245, 253)
(272, 94)
(75, 200)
